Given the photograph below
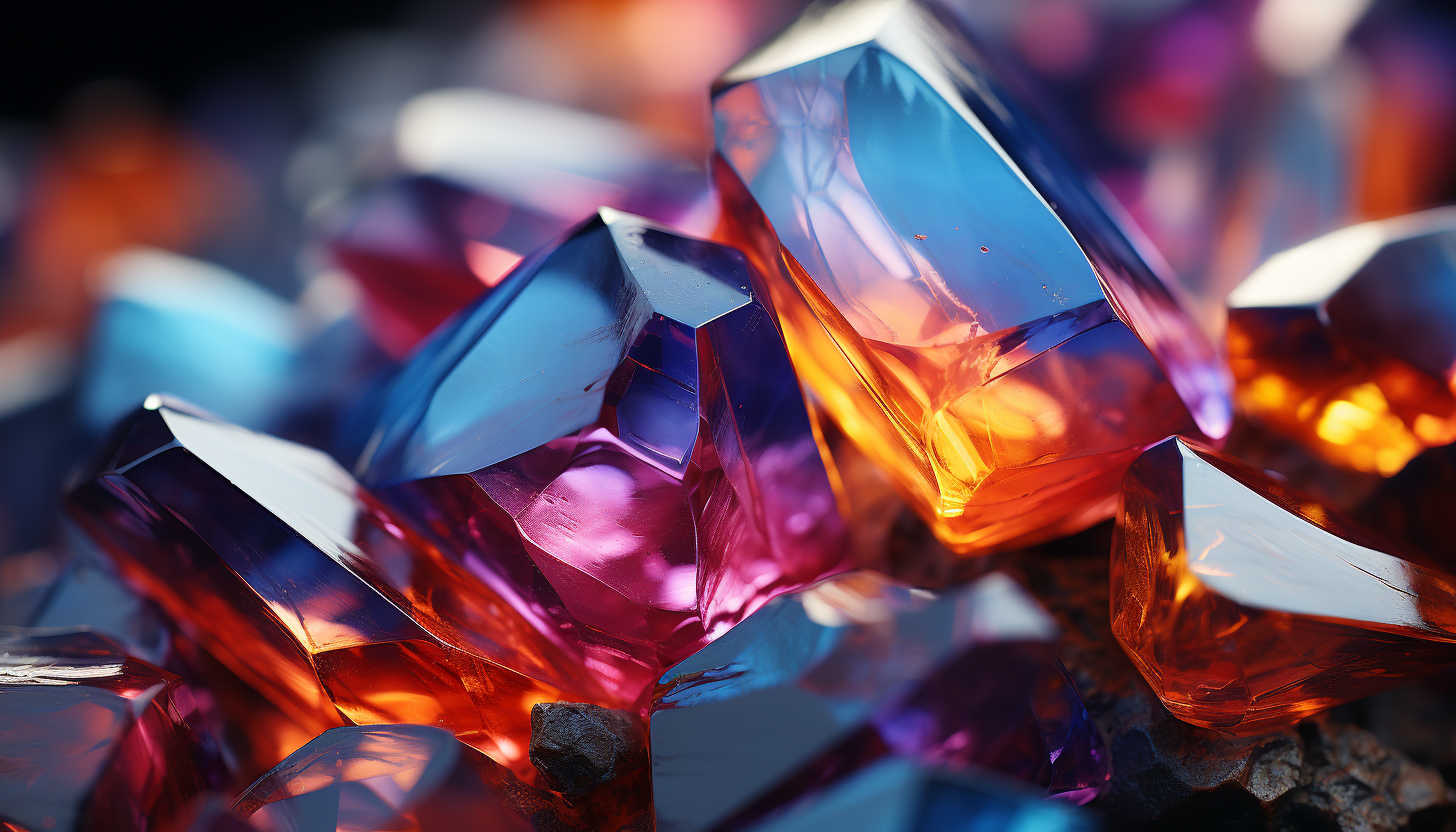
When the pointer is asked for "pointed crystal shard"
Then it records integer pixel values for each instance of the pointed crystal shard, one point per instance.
(1247, 605)
(417, 777)
(1347, 343)
(617, 435)
(822, 682)
(966, 310)
(271, 557)
(94, 739)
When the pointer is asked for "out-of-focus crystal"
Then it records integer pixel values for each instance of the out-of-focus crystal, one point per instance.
(416, 777)
(963, 305)
(93, 739)
(824, 681)
(617, 435)
(1246, 604)
(1348, 342)
(901, 796)
(270, 556)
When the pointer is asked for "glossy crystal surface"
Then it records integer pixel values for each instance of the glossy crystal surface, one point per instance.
(901, 796)
(396, 777)
(964, 307)
(1247, 605)
(93, 739)
(616, 434)
(270, 557)
(1348, 342)
(822, 682)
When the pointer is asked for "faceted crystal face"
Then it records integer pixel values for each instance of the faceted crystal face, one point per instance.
(93, 738)
(356, 779)
(821, 682)
(901, 796)
(276, 562)
(1247, 605)
(617, 434)
(1348, 343)
(423, 248)
(965, 309)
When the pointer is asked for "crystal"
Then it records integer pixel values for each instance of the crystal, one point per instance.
(422, 248)
(1247, 605)
(901, 796)
(1347, 343)
(271, 557)
(965, 308)
(616, 433)
(358, 779)
(821, 682)
(92, 738)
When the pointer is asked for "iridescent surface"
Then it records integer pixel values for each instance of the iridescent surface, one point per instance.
(964, 307)
(821, 682)
(901, 796)
(91, 738)
(1348, 343)
(270, 557)
(1247, 605)
(617, 435)
(405, 777)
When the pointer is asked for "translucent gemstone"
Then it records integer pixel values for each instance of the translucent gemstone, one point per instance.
(617, 435)
(966, 310)
(357, 779)
(901, 796)
(1248, 605)
(92, 738)
(822, 682)
(1348, 342)
(271, 557)
(423, 248)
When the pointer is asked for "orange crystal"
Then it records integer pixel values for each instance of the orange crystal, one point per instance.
(1246, 605)
(1347, 343)
(962, 306)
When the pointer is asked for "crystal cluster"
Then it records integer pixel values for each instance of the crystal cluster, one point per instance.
(822, 682)
(962, 305)
(1348, 343)
(575, 519)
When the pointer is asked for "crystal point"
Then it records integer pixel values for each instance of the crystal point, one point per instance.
(822, 682)
(966, 310)
(617, 434)
(1247, 605)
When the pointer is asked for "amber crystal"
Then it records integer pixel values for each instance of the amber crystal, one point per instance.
(1348, 342)
(91, 738)
(966, 310)
(1246, 604)
(269, 556)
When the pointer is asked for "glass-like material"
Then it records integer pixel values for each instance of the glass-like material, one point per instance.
(616, 435)
(274, 560)
(824, 681)
(964, 307)
(93, 739)
(901, 796)
(1347, 343)
(1247, 605)
(406, 777)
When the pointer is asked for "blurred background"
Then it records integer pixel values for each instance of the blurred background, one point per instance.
(261, 206)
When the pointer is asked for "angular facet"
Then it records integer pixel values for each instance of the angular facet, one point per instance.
(822, 682)
(617, 435)
(91, 738)
(964, 307)
(1247, 605)
(901, 796)
(1347, 343)
(357, 779)
(271, 557)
